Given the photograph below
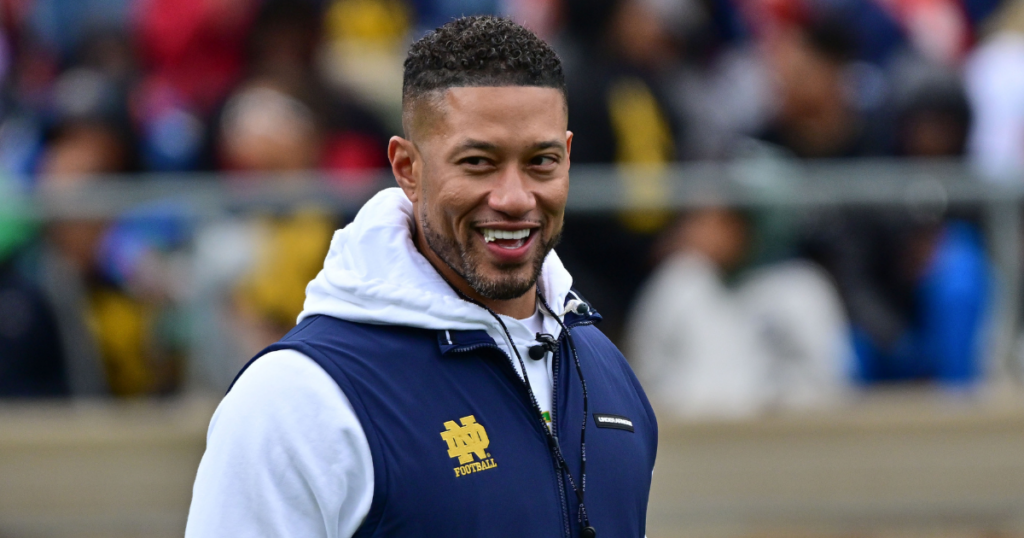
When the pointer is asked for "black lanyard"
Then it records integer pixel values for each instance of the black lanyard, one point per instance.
(556, 450)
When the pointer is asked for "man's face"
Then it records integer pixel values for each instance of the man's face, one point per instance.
(493, 181)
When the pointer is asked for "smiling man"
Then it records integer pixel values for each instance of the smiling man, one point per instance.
(487, 171)
(443, 379)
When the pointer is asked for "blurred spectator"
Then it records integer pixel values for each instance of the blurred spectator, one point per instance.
(916, 285)
(816, 116)
(619, 56)
(935, 332)
(917, 293)
(364, 51)
(727, 96)
(97, 86)
(264, 128)
(282, 53)
(915, 288)
(288, 253)
(705, 348)
(32, 360)
(101, 321)
(934, 121)
(994, 75)
(194, 48)
(192, 54)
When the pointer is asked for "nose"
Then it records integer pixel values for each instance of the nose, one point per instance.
(512, 195)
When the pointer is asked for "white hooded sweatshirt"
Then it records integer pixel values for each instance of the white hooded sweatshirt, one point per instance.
(285, 453)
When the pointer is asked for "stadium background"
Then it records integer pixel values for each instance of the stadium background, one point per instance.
(171, 172)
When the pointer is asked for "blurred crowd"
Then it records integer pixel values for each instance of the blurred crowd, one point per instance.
(741, 310)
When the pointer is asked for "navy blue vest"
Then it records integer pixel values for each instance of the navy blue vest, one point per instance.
(457, 448)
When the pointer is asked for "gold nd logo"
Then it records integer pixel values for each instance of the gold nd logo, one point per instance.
(466, 441)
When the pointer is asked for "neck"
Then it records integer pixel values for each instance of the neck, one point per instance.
(520, 307)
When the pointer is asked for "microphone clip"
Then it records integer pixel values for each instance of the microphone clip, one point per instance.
(547, 343)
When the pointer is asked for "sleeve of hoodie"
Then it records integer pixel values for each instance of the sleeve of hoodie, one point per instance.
(285, 456)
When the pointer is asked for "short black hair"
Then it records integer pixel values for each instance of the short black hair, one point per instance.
(480, 51)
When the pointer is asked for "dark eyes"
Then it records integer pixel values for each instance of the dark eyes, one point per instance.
(543, 160)
(474, 161)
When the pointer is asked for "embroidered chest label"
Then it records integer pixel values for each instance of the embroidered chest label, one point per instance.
(466, 442)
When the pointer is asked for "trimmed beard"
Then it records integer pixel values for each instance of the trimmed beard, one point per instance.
(458, 258)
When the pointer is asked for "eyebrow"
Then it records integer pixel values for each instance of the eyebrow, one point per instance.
(487, 146)
(476, 144)
(547, 144)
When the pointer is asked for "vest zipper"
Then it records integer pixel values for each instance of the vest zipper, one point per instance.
(559, 477)
(554, 431)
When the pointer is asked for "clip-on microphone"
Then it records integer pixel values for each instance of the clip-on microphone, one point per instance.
(547, 343)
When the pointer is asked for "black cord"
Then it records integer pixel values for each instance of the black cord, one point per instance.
(583, 428)
(552, 440)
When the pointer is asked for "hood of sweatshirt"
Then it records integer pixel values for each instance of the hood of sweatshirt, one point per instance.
(374, 274)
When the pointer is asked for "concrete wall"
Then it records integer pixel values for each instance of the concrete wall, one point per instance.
(892, 465)
(902, 466)
(99, 469)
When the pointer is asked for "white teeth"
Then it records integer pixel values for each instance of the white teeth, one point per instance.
(490, 234)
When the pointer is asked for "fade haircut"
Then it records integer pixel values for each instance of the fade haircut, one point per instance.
(478, 51)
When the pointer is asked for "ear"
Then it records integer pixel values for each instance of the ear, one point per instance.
(405, 165)
(568, 145)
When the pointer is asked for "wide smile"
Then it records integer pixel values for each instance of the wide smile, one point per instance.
(508, 246)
